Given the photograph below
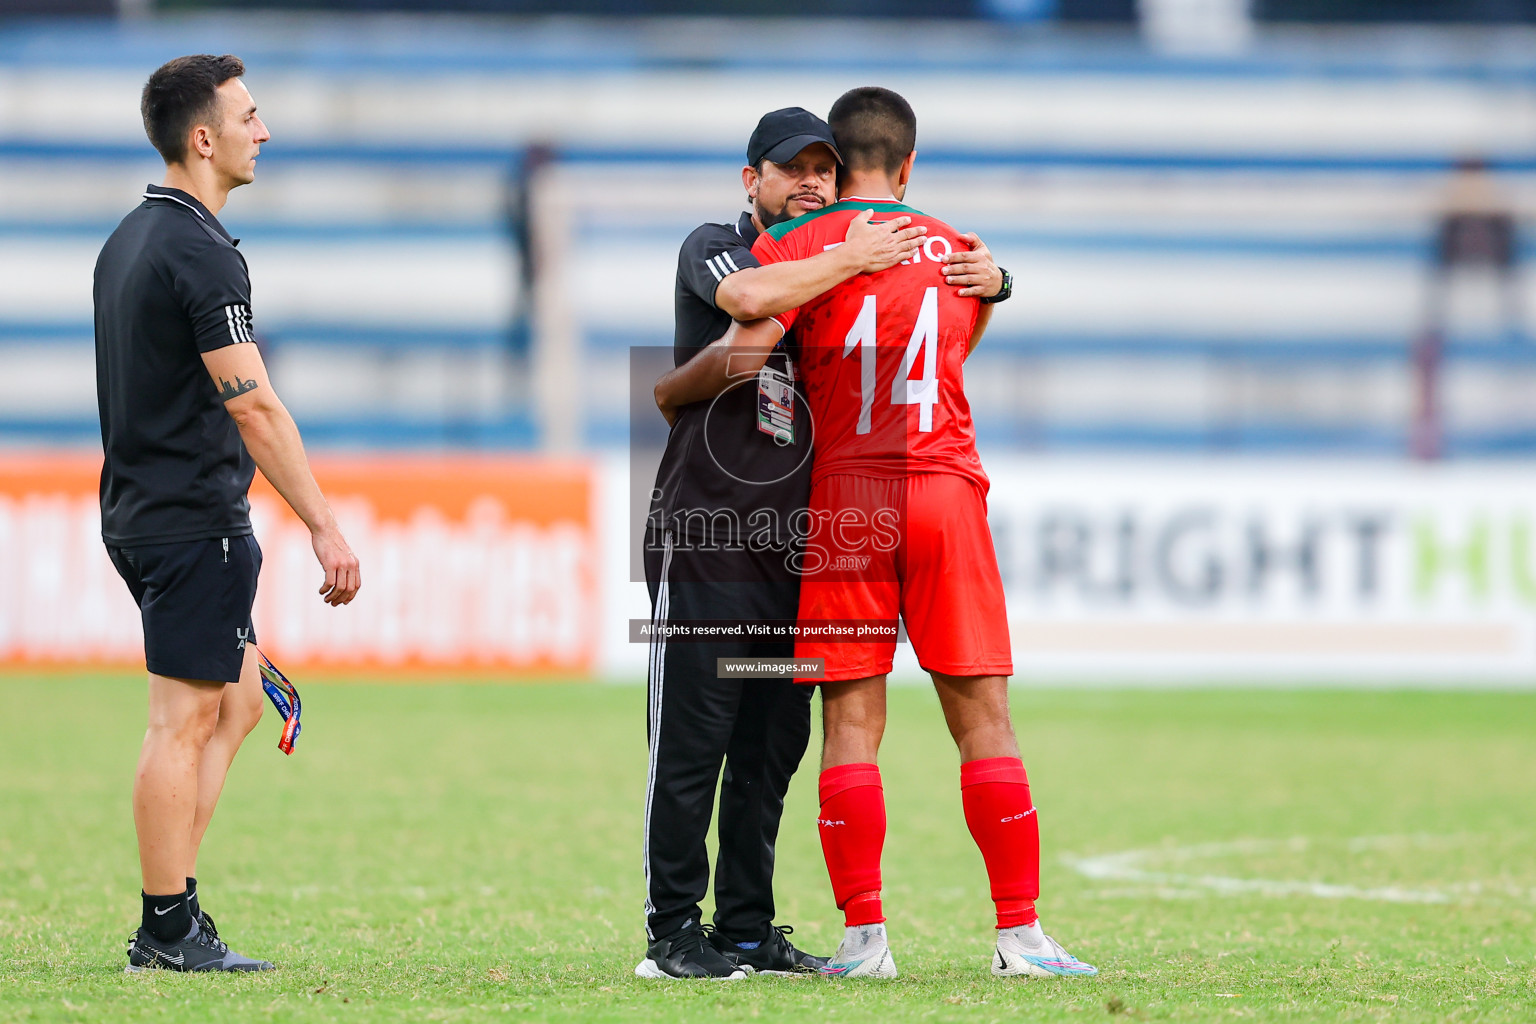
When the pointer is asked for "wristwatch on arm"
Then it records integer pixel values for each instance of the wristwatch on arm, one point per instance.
(1004, 292)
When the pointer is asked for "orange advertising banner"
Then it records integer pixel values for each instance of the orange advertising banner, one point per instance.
(485, 564)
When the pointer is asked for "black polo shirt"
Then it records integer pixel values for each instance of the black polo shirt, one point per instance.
(169, 286)
(717, 458)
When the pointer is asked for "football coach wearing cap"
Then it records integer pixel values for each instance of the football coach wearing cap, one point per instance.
(726, 473)
(187, 413)
(717, 546)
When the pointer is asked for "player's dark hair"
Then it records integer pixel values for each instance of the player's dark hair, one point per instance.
(874, 127)
(182, 93)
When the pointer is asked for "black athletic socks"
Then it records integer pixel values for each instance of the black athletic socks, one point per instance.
(193, 906)
(167, 918)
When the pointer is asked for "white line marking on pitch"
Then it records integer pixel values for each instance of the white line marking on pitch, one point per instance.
(1130, 867)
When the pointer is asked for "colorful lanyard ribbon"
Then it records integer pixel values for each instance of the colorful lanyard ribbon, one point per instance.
(285, 697)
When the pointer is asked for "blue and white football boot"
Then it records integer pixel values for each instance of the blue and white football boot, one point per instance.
(1028, 952)
(863, 953)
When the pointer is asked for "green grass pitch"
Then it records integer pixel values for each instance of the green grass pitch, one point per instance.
(471, 852)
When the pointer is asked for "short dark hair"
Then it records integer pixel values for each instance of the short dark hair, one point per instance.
(182, 93)
(874, 127)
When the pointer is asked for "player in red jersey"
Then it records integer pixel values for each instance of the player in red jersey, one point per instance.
(898, 528)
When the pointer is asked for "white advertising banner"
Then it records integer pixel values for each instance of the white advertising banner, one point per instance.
(1279, 570)
(1237, 571)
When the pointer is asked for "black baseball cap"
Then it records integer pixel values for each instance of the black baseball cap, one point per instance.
(783, 133)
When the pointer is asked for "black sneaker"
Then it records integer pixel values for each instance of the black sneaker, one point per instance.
(199, 951)
(686, 954)
(773, 955)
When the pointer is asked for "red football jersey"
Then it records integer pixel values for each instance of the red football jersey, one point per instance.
(881, 354)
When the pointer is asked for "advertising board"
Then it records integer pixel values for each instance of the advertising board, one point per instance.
(468, 563)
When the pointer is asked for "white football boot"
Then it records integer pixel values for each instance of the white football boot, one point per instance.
(1027, 952)
(863, 953)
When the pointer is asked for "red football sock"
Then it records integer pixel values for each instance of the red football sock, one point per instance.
(1002, 819)
(852, 826)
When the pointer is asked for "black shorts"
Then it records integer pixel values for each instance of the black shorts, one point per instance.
(195, 598)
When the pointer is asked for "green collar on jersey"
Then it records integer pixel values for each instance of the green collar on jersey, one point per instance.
(778, 231)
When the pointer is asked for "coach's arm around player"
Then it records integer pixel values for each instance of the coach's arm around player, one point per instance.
(753, 293)
(869, 247)
(272, 438)
(746, 345)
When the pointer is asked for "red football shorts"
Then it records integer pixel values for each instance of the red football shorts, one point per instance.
(918, 548)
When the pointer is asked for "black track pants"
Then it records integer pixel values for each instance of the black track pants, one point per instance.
(759, 728)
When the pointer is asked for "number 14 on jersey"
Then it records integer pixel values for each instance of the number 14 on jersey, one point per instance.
(922, 392)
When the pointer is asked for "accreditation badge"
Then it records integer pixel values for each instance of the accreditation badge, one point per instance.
(776, 402)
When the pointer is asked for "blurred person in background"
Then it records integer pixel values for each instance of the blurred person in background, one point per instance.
(1476, 238)
(187, 414)
(722, 544)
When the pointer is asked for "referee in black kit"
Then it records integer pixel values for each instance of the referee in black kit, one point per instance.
(187, 414)
(732, 469)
